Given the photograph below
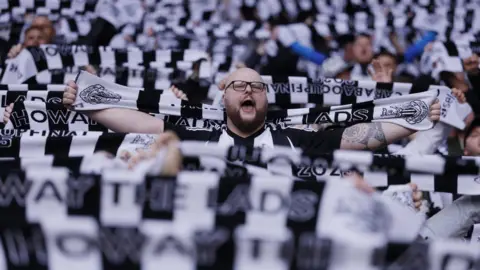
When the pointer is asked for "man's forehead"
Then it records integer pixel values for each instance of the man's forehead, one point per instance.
(248, 75)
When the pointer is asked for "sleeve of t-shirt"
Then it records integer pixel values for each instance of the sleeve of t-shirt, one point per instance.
(317, 142)
(188, 134)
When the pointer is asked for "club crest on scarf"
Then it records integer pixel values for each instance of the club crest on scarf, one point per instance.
(5, 140)
(97, 94)
(414, 111)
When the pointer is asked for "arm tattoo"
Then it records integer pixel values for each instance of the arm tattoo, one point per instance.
(363, 133)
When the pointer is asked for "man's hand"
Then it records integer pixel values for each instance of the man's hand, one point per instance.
(14, 51)
(470, 65)
(416, 195)
(261, 49)
(380, 72)
(178, 93)
(359, 181)
(460, 95)
(69, 94)
(90, 69)
(394, 39)
(222, 84)
(429, 47)
(7, 113)
(173, 158)
(435, 111)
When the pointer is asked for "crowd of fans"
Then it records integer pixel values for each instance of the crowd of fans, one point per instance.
(283, 51)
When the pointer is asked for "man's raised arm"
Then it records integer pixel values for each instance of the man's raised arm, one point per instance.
(371, 136)
(117, 119)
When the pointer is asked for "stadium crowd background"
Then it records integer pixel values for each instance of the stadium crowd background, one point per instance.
(423, 43)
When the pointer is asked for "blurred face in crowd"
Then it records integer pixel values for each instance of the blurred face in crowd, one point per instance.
(246, 104)
(46, 25)
(33, 37)
(42, 22)
(472, 143)
(362, 50)
(388, 62)
(348, 54)
(455, 80)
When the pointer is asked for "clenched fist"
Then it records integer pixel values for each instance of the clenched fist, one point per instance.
(172, 161)
(7, 113)
(69, 94)
(435, 111)
(178, 93)
(14, 51)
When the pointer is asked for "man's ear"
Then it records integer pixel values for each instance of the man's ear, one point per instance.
(222, 84)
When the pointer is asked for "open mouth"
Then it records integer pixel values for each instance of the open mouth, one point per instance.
(248, 106)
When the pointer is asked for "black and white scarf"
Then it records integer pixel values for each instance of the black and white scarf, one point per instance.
(148, 78)
(431, 173)
(47, 57)
(281, 91)
(414, 108)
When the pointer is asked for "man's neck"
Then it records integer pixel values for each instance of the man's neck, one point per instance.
(240, 133)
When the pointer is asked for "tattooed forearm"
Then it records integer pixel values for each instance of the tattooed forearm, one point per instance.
(368, 136)
(379, 134)
(356, 134)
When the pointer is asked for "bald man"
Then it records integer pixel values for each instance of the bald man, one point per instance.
(246, 106)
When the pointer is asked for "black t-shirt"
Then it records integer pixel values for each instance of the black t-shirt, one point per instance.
(271, 135)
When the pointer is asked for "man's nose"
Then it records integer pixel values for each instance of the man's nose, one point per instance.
(248, 89)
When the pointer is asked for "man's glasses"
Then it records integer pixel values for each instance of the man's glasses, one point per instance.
(241, 86)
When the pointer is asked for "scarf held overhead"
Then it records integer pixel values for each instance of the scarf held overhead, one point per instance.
(409, 111)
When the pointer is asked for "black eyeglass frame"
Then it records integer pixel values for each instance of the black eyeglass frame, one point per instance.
(247, 84)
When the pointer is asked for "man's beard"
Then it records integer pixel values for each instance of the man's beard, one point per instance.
(247, 126)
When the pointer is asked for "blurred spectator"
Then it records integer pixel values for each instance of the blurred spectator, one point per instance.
(46, 26)
(472, 139)
(388, 60)
(40, 32)
(345, 43)
(34, 36)
(363, 55)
